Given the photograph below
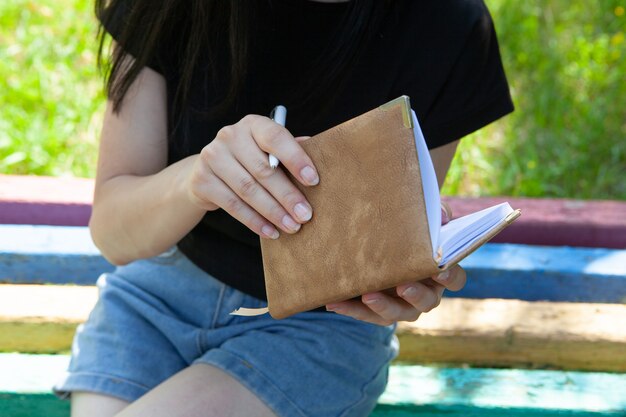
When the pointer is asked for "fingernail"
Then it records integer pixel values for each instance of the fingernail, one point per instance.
(409, 292)
(371, 301)
(270, 232)
(332, 307)
(290, 223)
(444, 216)
(303, 212)
(443, 276)
(309, 175)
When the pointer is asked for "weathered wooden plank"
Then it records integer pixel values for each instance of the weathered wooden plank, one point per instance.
(32, 405)
(53, 254)
(545, 273)
(412, 390)
(30, 374)
(506, 388)
(57, 201)
(42, 318)
(49, 254)
(552, 222)
(29, 405)
(581, 336)
(556, 222)
(399, 410)
(496, 332)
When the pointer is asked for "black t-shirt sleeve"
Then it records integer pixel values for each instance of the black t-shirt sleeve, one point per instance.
(476, 91)
(115, 18)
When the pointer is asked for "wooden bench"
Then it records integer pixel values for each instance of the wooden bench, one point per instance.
(558, 307)
(413, 390)
(552, 222)
(63, 255)
(487, 332)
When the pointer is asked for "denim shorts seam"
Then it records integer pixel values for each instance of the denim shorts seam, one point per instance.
(218, 305)
(99, 383)
(200, 342)
(111, 377)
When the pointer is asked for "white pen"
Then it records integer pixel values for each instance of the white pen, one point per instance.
(279, 115)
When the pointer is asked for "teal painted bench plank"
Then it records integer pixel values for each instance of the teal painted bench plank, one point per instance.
(32, 405)
(36, 405)
(506, 388)
(412, 390)
(383, 410)
(58, 254)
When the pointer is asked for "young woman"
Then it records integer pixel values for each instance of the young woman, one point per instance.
(184, 190)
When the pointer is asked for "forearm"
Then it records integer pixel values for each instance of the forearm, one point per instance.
(442, 158)
(141, 216)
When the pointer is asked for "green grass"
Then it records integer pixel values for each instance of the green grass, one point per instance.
(565, 61)
(50, 89)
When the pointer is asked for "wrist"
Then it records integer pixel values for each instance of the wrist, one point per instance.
(192, 184)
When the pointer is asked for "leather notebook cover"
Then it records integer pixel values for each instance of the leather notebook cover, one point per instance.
(369, 230)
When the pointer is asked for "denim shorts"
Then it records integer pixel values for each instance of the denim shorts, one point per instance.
(157, 316)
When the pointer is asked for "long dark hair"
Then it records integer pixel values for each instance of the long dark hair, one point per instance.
(199, 26)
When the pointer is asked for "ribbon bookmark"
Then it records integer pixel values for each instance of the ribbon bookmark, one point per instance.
(248, 312)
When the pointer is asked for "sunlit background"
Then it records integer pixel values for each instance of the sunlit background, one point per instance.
(565, 60)
(566, 64)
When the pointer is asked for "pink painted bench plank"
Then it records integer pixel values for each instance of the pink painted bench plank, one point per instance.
(52, 201)
(553, 222)
(556, 222)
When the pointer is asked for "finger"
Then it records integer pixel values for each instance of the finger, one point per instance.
(276, 139)
(357, 310)
(420, 295)
(228, 200)
(390, 308)
(453, 279)
(246, 187)
(446, 213)
(275, 181)
(430, 283)
(444, 217)
(302, 138)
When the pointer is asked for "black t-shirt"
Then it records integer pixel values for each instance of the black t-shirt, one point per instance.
(443, 54)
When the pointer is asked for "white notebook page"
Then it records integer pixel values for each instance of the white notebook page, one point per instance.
(460, 233)
(430, 186)
(448, 240)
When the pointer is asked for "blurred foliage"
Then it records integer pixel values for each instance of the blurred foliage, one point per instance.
(50, 91)
(566, 63)
(565, 60)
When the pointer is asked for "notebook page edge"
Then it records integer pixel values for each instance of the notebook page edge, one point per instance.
(497, 213)
(430, 186)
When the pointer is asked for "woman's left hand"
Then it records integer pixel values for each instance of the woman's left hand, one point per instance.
(408, 301)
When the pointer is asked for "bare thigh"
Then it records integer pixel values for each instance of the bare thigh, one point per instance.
(95, 405)
(198, 391)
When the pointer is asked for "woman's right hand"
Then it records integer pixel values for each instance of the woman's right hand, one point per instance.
(233, 173)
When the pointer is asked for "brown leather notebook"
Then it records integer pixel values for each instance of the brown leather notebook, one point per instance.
(371, 213)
